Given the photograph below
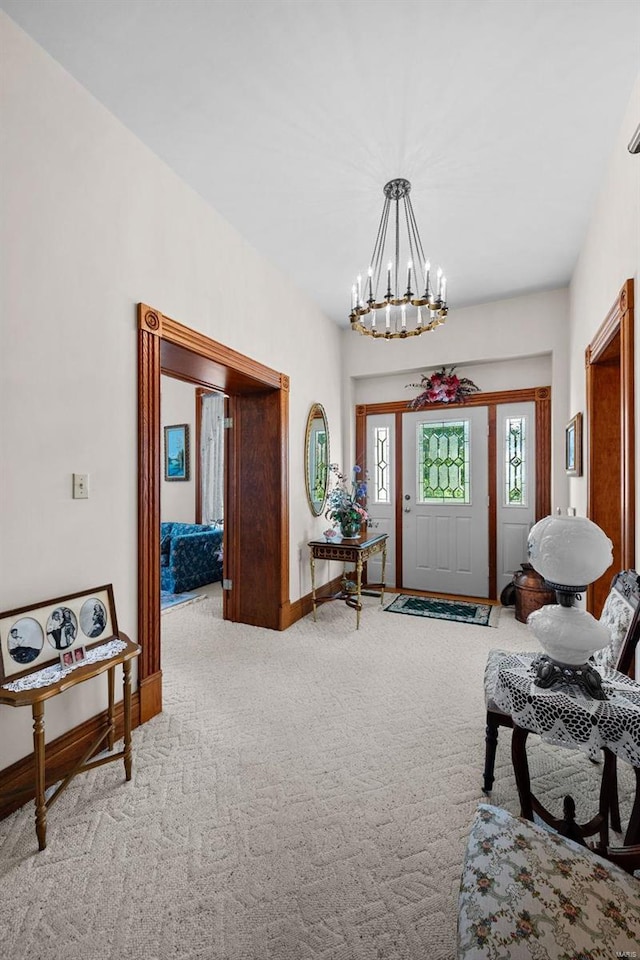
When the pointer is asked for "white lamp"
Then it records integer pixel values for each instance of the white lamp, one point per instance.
(569, 552)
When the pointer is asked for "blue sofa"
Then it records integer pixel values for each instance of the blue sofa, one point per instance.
(190, 556)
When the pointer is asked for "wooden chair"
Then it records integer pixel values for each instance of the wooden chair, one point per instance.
(621, 615)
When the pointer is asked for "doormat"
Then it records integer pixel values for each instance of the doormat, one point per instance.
(463, 611)
(168, 600)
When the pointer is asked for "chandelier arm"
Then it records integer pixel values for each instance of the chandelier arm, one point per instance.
(378, 247)
(378, 250)
(411, 238)
(418, 239)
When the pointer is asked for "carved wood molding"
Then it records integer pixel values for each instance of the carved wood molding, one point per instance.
(619, 322)
(149, 474)
(176, 333)
(482, 399)
(611, 324)
(149, 320)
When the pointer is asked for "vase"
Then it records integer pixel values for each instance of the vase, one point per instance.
(350, 529)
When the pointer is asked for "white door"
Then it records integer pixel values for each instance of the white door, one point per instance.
(381, 494)
(516, 479)
(445, 501)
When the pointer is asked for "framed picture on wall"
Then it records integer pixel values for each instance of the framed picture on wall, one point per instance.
(61, 630)
(573, 447)
(176, 452)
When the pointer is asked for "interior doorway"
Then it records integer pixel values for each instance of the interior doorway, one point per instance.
(192, 496)
(611, 438)
(256, 570)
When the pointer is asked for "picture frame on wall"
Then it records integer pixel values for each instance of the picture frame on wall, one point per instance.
(573, 447)
(176, 452)
(59, 630)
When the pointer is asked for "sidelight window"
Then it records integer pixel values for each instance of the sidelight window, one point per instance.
(515, 452)
(382, 485)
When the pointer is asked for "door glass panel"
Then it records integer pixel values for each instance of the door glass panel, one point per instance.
(515, 462)
(381, 487)
(443, 469)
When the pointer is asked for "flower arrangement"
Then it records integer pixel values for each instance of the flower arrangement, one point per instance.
(442, 386)
(344, 501)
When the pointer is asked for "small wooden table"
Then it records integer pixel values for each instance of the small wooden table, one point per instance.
(36, 698)
(358, 551)
(568, 717)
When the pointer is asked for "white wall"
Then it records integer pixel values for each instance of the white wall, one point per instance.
(92, 223)
(520, 342)
(610, 255)
(178, 405)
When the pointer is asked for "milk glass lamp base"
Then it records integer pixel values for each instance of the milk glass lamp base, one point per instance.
(550, 673)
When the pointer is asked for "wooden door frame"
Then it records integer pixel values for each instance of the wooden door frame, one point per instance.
(619, 322)
(541, 397)
(238, 375)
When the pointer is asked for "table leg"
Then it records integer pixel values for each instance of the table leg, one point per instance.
(521, 770)
(111, 706)
(38, 759)
(126, 679)
(608, 797)
(312, 561)
(358, 590)
(384, 570)
(632, 836)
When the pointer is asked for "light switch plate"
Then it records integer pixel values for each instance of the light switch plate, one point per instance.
(81, 486)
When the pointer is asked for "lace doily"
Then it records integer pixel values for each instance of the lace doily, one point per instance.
(566, 716)
(55, 671)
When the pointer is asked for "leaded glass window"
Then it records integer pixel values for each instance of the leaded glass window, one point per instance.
(443, 462)
(515, 471)
(382, 485)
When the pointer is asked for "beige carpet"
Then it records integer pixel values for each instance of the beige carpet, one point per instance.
(304, 796)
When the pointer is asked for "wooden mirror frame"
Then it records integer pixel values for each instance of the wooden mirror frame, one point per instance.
(316, 412)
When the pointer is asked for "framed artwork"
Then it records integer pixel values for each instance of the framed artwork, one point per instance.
(60, 629)
(176, 452)
(573, 447)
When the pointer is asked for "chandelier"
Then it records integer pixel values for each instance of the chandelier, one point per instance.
(400, 313)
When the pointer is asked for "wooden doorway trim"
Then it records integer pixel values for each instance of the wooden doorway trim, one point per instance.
(259, 485)
(609, 360)
(541, 397)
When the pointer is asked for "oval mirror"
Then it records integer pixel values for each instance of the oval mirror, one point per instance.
(316, 459)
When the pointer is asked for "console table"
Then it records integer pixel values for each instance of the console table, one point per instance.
(34, 691)
(568, 717)
(356, 550)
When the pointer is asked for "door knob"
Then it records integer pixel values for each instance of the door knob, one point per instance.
(407, 509)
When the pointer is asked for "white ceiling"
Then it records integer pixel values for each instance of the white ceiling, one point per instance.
(289, 116)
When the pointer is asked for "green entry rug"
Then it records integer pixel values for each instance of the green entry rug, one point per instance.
(481, 614)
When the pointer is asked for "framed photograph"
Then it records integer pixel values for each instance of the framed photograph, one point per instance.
(573, 447)
(66, 658)
(36, 636)
(176, 452)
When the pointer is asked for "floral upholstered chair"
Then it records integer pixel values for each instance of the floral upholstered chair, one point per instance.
(621, 616)
(529, 893)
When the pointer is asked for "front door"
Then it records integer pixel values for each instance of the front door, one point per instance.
(445, 501)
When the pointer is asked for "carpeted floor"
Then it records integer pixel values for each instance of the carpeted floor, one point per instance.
(305, 794)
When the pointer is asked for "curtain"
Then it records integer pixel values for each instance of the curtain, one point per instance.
(212, 458)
